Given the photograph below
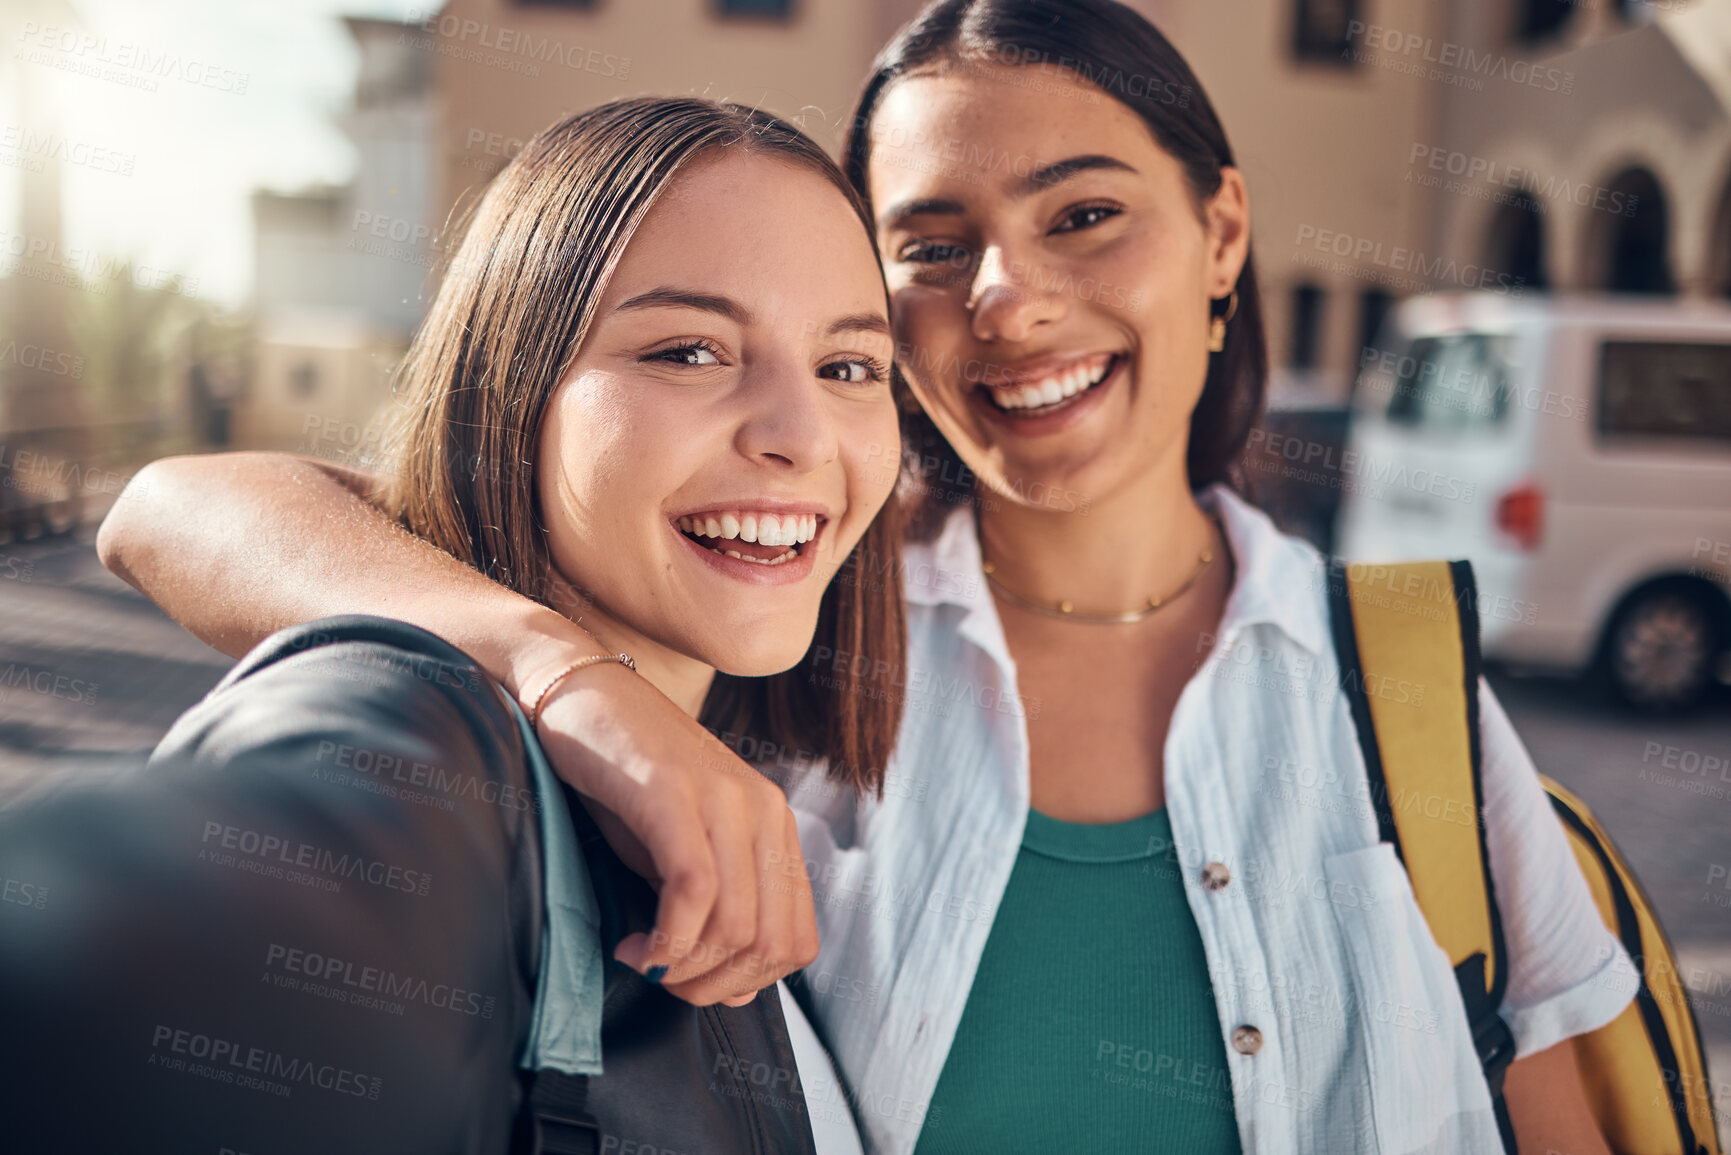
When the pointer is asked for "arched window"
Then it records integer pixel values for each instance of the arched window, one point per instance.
(304, 379)
(1629, 242)
(1542, 19)
(1304, 351)
(1322, 31)
(1516, 244)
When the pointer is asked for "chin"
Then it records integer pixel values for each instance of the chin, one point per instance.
(765, 654)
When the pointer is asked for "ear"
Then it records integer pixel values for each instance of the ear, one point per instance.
(1227, 215)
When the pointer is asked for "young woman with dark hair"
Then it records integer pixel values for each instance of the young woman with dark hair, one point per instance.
(1080, 916)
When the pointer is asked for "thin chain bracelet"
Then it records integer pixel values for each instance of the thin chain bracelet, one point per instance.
(591, 660)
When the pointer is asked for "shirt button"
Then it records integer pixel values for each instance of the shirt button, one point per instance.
(1215, 876)
(1247, 1040)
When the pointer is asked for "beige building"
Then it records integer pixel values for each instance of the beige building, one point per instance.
(506, 69)
(1507, 145)
(1392, 146)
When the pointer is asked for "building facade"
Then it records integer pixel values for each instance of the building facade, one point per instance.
(344, 273)
(1392, 147)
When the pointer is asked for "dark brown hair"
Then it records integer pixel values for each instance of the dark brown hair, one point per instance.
(1113, 48)
(511, 313)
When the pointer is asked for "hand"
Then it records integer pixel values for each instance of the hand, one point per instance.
(713, 836)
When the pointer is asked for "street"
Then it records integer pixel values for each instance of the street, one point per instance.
(91, 674)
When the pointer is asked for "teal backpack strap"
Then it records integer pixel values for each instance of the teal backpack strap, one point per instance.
(561, 1054)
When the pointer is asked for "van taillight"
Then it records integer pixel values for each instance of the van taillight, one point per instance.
(1521, 514)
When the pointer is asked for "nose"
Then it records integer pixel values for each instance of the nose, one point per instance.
(788, 423)
(1005, 306)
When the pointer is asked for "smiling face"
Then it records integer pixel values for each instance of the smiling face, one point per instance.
(727, 430)
(1051, 271)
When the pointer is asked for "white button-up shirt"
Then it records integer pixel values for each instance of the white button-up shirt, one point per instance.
(1314, 941)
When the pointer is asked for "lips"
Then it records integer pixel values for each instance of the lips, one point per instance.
(1044, 388)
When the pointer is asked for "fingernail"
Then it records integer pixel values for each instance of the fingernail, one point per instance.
(655, 974)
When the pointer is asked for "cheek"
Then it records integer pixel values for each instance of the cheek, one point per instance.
(1164, 292)
(1146, 278)
(929, 326)
(598, 461)
(872, 450)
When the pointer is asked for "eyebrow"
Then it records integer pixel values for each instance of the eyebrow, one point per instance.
(899, 213)
(1060, 171)
(859, 323)
(669, 297)
(1040, 179)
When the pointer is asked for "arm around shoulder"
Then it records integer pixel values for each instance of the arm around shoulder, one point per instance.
(237, 546)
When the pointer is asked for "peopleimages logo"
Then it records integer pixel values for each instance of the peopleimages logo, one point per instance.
(365, 985)
(1397, 261)
(226, 1061)
(269, 850)
(1541, 188)
(1452, 63)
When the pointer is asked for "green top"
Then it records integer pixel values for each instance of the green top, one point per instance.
(1091, 1023)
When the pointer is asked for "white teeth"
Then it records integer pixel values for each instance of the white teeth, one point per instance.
(786, 529)
(1051, 390)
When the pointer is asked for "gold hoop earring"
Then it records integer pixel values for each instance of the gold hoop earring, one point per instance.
(1217, 327)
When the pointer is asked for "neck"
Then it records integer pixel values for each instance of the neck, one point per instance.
(1143, 540)
(682, 678)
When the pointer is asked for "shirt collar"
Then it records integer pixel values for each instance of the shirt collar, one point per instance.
(1277, 576)
(1276, 581)
(948, 571)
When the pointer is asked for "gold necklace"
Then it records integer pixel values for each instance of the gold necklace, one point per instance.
(1065, 610)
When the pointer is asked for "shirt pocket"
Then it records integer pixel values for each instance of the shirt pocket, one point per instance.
(1427, 1091)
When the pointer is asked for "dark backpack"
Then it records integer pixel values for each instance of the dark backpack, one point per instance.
(314, 923)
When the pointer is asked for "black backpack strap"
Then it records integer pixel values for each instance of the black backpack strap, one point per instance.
(1424, 618)
(559, 1121)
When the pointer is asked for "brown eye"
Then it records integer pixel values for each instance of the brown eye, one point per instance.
(696, 354)
(933, 253)
(854, 371)
(1086, 217)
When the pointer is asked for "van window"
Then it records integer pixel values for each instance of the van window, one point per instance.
(1665, 389)
(1455, 382)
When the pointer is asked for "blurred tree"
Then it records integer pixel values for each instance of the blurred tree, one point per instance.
(160, 367)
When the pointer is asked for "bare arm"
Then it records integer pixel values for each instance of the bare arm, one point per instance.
(237, 546)
(1548, 1105)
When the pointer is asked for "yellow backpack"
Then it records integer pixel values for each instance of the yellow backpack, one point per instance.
(1644, 1072)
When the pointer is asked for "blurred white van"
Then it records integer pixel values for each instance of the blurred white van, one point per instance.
(1578, 451)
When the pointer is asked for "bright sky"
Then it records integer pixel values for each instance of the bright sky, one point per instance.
(197, 151)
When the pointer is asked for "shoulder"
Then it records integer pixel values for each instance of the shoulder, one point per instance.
(280, 886)
(350, 693)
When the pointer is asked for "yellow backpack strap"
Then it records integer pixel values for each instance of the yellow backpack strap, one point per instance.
(1644, 1071)
(1407, 638)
